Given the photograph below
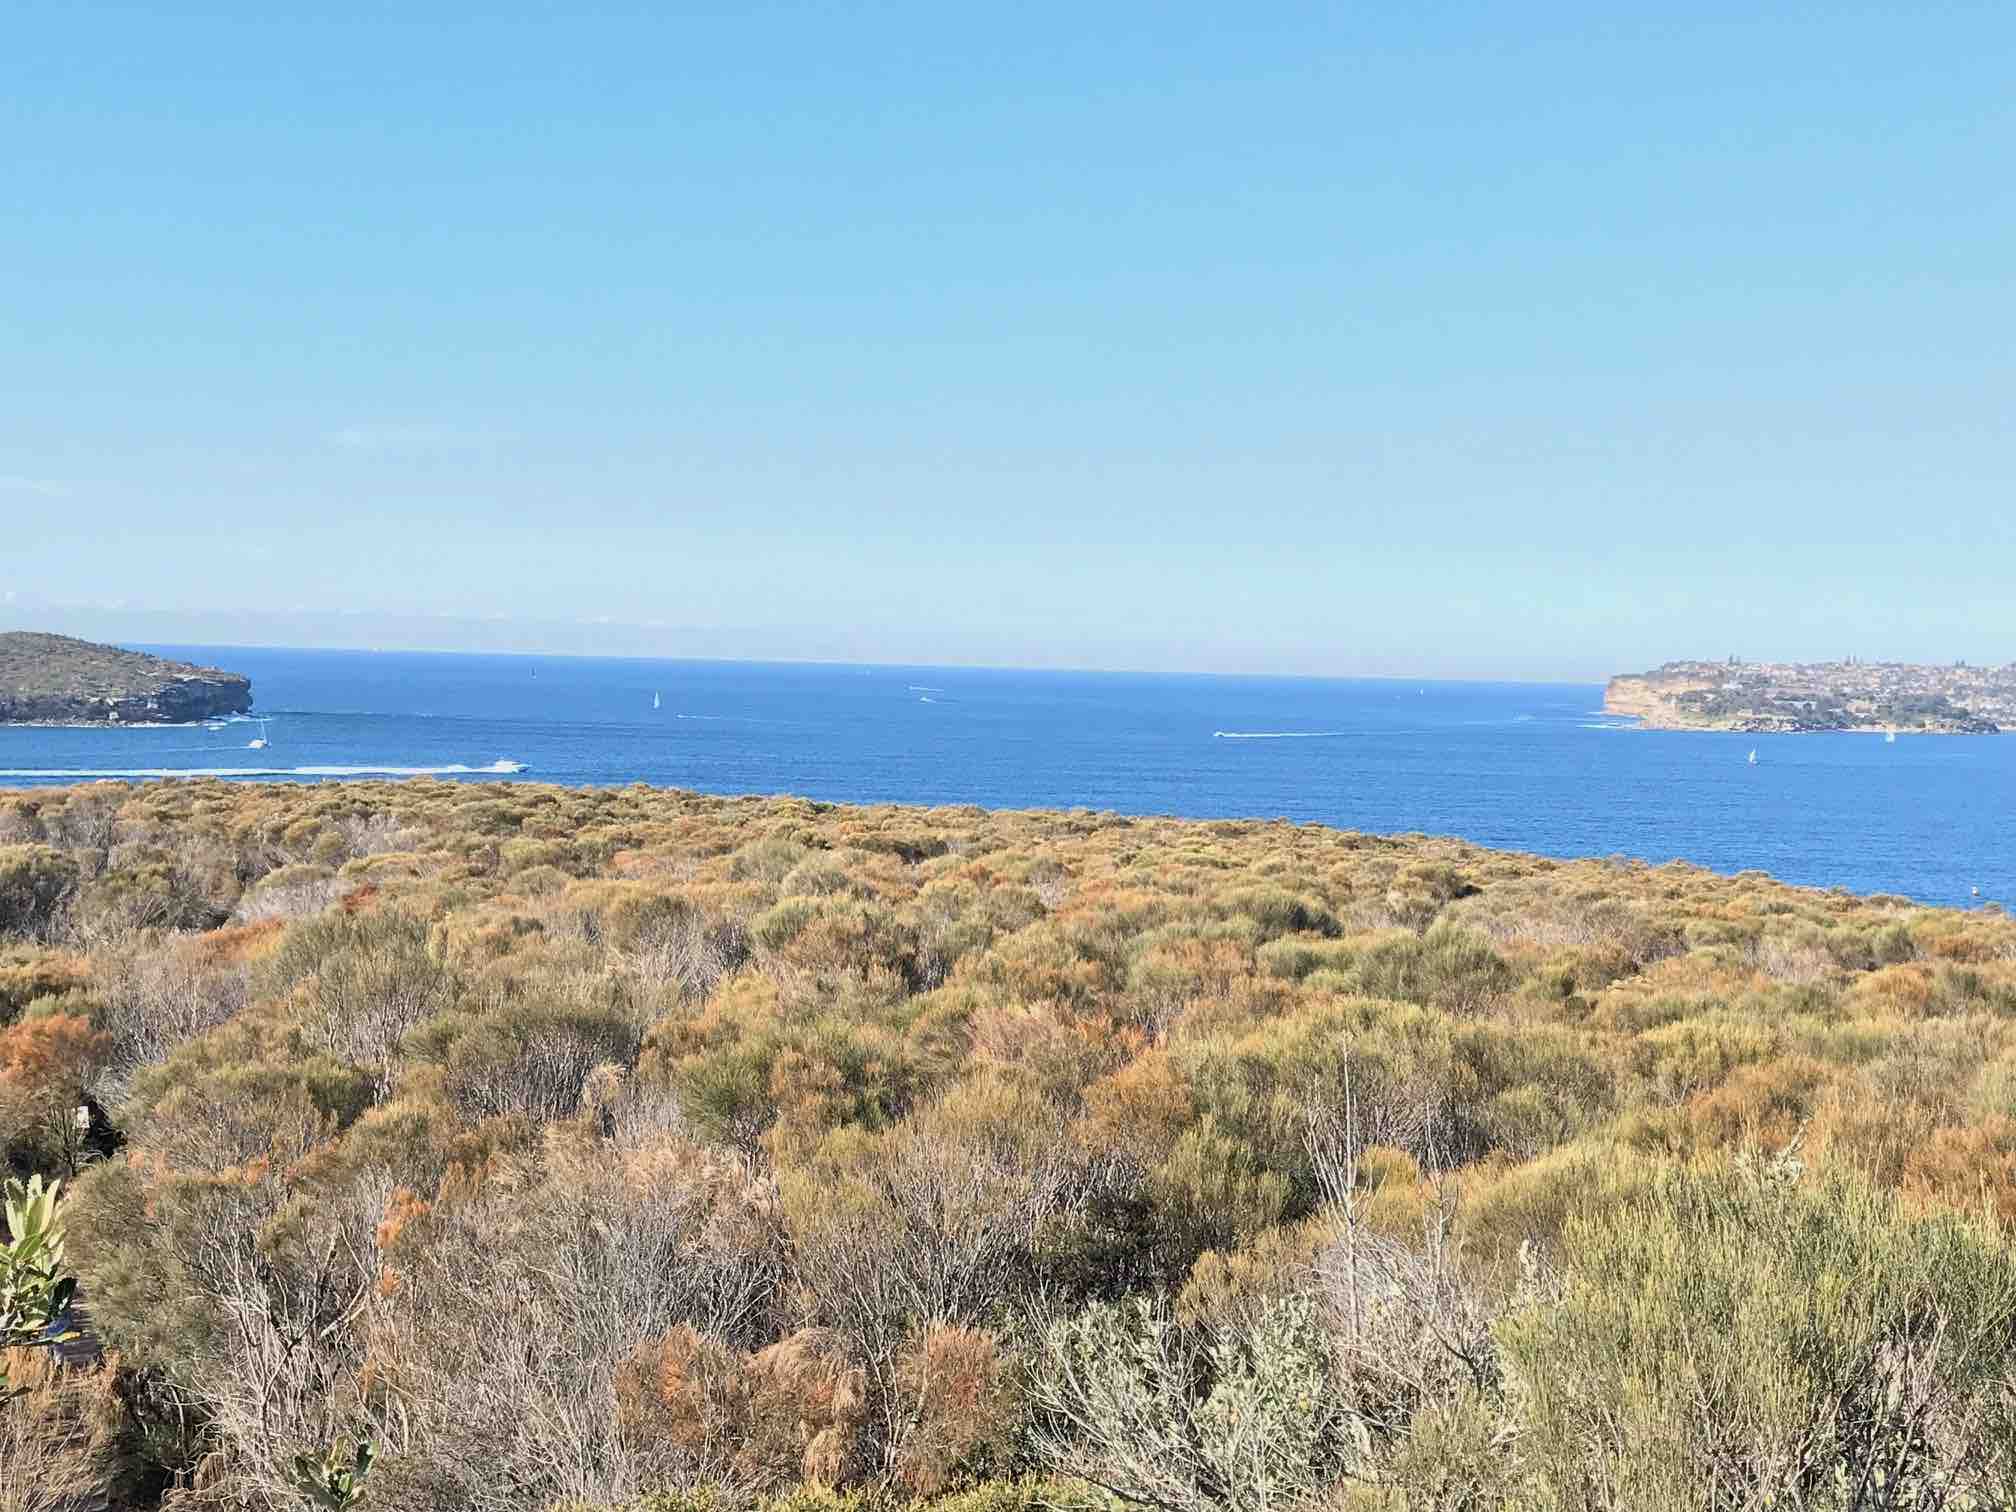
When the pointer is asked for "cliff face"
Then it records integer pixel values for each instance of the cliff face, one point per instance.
(53, 679)
(1637, 697)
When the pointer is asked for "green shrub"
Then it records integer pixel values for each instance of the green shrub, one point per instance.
(1240, 1417)
(1026, 1494)
(1448, 967)
(815, 1498)
(766, 861)
(703, 1499)
(35, 882)
(1737, 1337)
(777, 927)
(1280, 912)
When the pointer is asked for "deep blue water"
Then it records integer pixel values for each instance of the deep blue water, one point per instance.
(1526, 766)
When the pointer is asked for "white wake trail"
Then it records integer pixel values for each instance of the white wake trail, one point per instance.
(1277, 734)
(455, 769)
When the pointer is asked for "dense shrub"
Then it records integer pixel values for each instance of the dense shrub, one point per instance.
(1737, 1338)
(632, 1149)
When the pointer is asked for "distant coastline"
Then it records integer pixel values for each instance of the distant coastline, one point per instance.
(1813, 697)
(105, 724)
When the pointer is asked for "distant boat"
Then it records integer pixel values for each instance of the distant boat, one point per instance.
(258, 742)
(1753, 758)
(1889, 737)
(654, 701)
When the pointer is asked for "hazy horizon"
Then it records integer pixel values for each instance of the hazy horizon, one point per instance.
(447, 636)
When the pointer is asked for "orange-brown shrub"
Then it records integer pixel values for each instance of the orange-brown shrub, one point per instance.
(961, 1410)
(786, 1413)
(1764, 1104)
(1969, 1168)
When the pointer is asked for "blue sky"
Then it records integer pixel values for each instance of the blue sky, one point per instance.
(1434, 339)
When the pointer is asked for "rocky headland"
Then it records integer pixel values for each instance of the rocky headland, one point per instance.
(55, 679)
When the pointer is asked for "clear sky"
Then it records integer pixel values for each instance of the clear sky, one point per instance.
(1501, 340)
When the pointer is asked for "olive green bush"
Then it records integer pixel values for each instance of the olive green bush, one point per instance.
(1739, 1338)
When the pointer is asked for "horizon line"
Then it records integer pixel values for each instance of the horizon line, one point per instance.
(819, 661)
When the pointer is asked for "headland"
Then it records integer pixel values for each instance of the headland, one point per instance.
(56, 679)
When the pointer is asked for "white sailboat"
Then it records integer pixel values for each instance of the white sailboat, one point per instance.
(258, 742)
(1753, 757)
(1889, 737)
(654, 701)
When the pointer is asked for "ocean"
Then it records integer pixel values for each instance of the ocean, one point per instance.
(1524, 766)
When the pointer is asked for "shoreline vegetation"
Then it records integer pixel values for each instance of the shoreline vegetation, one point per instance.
(56, 680)
(1811, 697)
(506, 1146)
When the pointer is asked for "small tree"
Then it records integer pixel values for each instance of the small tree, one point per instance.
(35, 1292)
